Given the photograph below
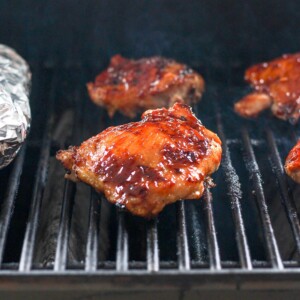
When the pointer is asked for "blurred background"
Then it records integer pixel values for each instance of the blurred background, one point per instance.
(193, 31)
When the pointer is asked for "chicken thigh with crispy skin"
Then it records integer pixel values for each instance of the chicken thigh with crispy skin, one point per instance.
(292, 163)
(145, 165)
(132, 86)
(277, 85)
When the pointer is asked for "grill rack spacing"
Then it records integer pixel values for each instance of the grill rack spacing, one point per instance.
(187, 256)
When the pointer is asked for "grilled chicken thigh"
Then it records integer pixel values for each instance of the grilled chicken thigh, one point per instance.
(145, 165)
(132, 86)
(277, 85)
(292, 163)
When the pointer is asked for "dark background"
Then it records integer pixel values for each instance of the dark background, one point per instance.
(217, 38)
(236, 32)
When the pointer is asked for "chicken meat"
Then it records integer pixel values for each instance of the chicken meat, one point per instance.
(292, 163)
(133, 86)
(143, 166)
(277, 85)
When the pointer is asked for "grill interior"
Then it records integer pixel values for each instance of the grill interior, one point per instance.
(247, 225)
(58, 225)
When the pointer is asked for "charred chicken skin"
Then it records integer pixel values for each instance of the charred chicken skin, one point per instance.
(133, 86)
(292, 163)
(277, 85)
(144, 166)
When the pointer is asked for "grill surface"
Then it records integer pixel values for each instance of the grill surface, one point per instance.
(243, 234)
(245, 210)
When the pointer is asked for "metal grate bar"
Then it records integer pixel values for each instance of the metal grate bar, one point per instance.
(91, 259)
(235, 194)
(122, 244)
(9, 198)
(287, 198)
(61, 254)
(213, 247)
(152, 246)
(198, 235)
(31, 228)
(252, 166)
(38, 190)
(182, 240)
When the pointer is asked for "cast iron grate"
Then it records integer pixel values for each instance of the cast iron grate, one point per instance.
(193, 241)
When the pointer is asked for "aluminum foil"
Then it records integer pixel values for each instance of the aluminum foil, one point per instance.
(15, 116)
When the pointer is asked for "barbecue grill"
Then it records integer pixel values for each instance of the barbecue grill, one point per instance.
(59, 239)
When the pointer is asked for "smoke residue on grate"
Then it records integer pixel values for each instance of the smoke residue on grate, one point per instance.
(249, 220)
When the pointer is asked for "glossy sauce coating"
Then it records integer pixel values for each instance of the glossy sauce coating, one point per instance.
(131, 86)
(292, 163)
(279, 80)
(145, 165)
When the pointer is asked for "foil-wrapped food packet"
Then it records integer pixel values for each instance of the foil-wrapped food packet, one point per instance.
(15, 115)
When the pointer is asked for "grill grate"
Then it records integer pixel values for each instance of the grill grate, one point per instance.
(91, 258)
(287, 197)
(152, 247)
(8, 203)
(234, 185)
(213, 248)
(252, 166)
(193, 249)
